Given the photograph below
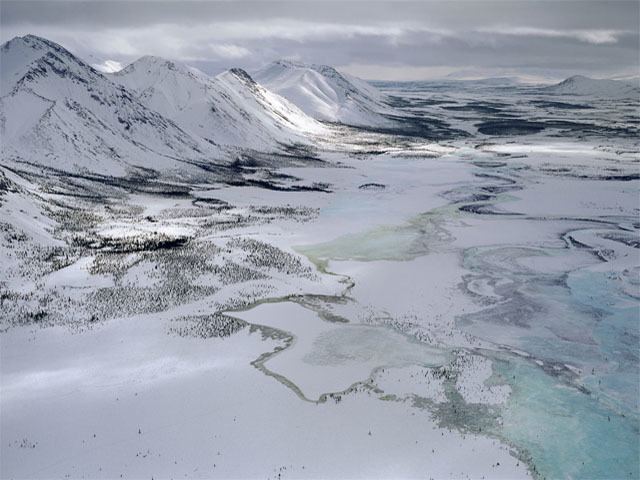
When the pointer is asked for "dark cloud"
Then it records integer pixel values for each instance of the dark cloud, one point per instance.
(393, 38)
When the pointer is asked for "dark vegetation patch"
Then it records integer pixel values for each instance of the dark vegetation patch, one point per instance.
(262, 255)
(464, 195)
(473, 108)
(489, 164)
(589, 129)
(461, 197)
(560, 105)
(510, 127)
(313, 187)
(6, 186)
(612, 178)
(412, 102)
(297, 214)
(499, 178)
(151, 271)
(572, 173)
(372, 186)
(484, 209)
(517, 126)
(215, 325)
(211, 203)
(99, 187)
(172, 279)
(259, 170)
(398, 102)
(631, 239)
(138, 243)
(417, 127)
(241, 172)
(496, 189)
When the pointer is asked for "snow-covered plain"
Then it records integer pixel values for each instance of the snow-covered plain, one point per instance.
(330, 302)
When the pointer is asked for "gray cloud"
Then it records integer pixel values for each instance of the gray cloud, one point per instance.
(392, 39)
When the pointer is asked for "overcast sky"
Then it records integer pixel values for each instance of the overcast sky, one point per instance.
(396, 40)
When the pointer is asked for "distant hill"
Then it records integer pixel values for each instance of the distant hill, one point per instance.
(580, 85)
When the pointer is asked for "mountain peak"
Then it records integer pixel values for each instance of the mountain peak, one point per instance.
(242, 75)
(289, 63)
(151, 62)
(29, 58)
(34, 42)
(39, 40)
(26, 40)
(324, 93)
(153, 71)
(323, 69)
(576, 78)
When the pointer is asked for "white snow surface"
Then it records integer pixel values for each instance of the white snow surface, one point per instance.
(603, 88)
(324, 93)
(56, 111)
(229, 109)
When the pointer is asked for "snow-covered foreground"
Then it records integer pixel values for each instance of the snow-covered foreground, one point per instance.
(130, 399)
(395, 309)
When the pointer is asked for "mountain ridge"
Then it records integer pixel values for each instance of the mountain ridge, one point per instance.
(58, 112)
(326, 94)
(229, 109)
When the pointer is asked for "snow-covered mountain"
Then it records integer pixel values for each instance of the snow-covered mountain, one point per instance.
(326, 94)
(580, 85)
(230, 109)
(58, 112)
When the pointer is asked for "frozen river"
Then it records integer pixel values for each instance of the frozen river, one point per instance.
(540, 289)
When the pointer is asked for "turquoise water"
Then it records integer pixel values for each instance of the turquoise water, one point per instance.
(617, 334)
(586, 320)
(567, 433)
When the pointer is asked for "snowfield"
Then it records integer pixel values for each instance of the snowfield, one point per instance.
(296, 274)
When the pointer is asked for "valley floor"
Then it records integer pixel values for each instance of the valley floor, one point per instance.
(466, 309)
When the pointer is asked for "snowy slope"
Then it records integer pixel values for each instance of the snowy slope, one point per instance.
(579, 85)
(230, 109)
(58, 112)
(326, 94)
